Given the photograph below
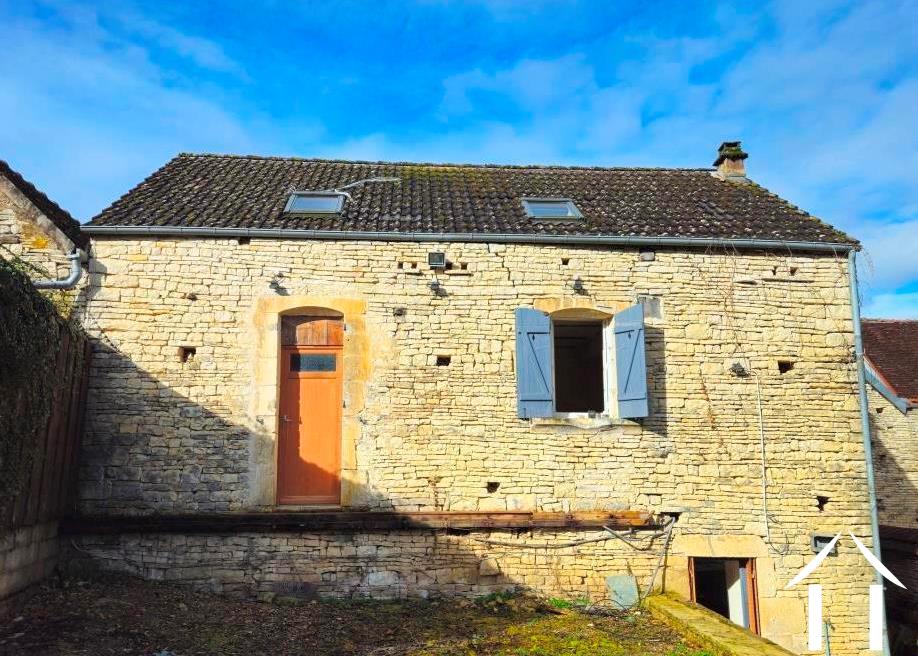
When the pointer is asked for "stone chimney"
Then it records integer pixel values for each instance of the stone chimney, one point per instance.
(730, 162)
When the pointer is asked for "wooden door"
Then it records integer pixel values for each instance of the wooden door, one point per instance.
(309, 450)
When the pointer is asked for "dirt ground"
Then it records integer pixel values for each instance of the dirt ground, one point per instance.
(128, 616)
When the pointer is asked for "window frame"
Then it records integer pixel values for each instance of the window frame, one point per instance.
(289, 209)
(573, 215)
(609, 381)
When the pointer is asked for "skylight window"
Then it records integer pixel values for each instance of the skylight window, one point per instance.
(314, 202)
(551, 208)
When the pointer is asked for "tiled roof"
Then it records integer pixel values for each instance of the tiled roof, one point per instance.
(891, 345)
(57, 215)
(251, 192)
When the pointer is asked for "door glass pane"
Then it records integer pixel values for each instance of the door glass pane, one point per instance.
(312, 362)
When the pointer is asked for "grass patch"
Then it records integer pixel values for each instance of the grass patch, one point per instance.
(118, 616)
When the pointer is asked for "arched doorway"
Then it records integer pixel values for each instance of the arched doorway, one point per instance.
(309, 408)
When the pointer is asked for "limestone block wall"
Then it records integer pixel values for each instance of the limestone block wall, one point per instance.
(377, 565)
(200, 435)
(26, 232)
(895, 454)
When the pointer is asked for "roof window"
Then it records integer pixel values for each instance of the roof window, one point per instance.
(314, 202)
(551, 208)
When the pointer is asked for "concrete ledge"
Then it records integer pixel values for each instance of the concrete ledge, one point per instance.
(716, 633)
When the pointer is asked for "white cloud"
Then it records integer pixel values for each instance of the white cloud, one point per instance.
(823, 97)
(122, 110)
(890, 254)
(892, 306)
(203, 52)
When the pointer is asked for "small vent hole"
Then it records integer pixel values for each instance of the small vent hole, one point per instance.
(793, 271)
(464, 266)
(821, 503)
(186, 353)
(879, 411)
(399, 312)
(492, 486)
(784, 366)
(244, 241)
(401, 265)
(443, 360)
(565, 261)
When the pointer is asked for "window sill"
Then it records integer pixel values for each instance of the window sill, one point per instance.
(579, 420)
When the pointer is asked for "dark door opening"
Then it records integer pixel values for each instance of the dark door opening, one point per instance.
(578, 366)
(728, 587)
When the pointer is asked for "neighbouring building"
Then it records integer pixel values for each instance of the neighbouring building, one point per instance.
(35, 229)
(392, 379)
(891, 348)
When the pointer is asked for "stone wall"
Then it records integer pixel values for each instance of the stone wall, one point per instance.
(168, 436)
(27, 555)
(28, 234)
(895, 454)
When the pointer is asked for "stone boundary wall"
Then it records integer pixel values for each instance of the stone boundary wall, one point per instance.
(433, 563)
(395, 564)
(27, 555)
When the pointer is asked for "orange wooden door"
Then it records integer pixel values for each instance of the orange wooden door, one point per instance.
(309, 451)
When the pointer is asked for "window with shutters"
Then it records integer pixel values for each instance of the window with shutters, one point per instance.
(575, 362)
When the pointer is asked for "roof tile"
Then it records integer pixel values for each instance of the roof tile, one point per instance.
(57, 215)
(892, 347)
(251, 192)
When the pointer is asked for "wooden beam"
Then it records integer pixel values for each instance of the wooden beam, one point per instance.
(352, 521)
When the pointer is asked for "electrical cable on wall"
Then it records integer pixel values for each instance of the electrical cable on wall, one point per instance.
(665, 532)
(742, 371)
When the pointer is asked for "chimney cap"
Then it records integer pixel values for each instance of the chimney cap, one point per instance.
(730, 150)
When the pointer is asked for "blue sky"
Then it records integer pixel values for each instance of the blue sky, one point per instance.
(95, 96)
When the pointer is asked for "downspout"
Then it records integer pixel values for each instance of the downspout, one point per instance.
(865, 425)
(77, 257)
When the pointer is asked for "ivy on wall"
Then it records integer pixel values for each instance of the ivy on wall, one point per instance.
(31, 326)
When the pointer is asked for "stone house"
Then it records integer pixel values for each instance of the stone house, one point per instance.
(891, 353)
(393, 379)
(36, 230)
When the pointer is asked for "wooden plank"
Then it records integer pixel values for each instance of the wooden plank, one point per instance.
(36, 487)
(347, 521)
(303, 330)
(57, 446)
(79, 388)
(56, 426)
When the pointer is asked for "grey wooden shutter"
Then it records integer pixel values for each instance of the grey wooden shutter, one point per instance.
(535, 389)
(631, 363)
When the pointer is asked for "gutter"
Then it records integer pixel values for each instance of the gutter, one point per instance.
(504, 238)
(903, 405)
(865, 426)
(77, 257)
